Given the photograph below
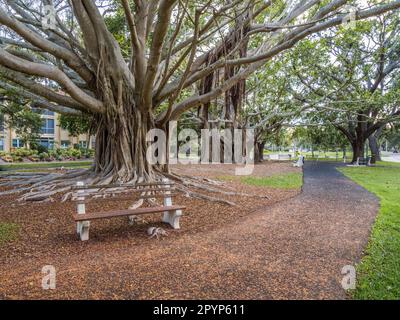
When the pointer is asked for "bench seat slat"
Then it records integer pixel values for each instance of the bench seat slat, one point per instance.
(121, 213)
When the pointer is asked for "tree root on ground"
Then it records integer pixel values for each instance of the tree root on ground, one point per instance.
(43, 186)
(202, 196)
(186, 181)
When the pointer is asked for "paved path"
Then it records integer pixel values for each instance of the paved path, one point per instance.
(293, 250)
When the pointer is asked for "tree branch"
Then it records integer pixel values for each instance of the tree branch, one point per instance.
(50, 72)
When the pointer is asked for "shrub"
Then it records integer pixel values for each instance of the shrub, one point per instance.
(17, 158)
(21, 152)
(61, 152)
(89, 153)
(75, 153)
(43, 156)
(34, 158)
(52, 153)
(39, 148)
(7, 158)
(18, 155)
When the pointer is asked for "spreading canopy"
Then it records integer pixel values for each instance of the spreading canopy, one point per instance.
(60, 63)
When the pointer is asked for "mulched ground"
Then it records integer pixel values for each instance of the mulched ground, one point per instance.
(291, 249)
(47, 236)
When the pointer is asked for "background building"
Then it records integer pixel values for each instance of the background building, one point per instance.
(51, 136)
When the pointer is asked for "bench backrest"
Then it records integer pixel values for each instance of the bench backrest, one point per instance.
(82, 186)
(364, 161)
(146, 190)
(284, 157)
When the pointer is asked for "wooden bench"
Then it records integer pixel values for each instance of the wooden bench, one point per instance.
(364, 161)
(300, 162)
(171, 213)
(284, 157)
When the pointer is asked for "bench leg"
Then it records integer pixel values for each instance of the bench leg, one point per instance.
(84, 230)
(132, 220)
(172, 218)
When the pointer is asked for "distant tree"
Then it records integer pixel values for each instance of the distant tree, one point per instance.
(351, 79)
(391, 135)
(323, 138)
(17, 114)
(77, 125)
(269, 106)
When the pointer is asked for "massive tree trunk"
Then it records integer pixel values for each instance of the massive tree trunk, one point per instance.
(121, 147)
(375, 146)
(358, 146)
(359, 135)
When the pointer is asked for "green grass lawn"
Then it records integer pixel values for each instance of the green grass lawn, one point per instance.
(44, 165)
(8, 232)
(388, 164)
(379, 270)
(292, 180)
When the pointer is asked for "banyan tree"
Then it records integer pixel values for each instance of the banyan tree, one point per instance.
(67, 56)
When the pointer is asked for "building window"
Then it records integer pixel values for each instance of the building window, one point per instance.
(17, 143)
(48, 126)
(65, 144)
(1, 144)
(48, 143)
(83, 144)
